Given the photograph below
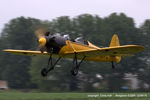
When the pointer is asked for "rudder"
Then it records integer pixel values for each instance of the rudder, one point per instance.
(115, 42)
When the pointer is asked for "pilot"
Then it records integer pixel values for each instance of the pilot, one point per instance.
(47, 33)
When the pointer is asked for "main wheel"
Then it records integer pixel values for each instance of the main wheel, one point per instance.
(74, 72)
(44, 72)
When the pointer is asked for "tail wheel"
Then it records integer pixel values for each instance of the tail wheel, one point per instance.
(44, 72)
(113, 66)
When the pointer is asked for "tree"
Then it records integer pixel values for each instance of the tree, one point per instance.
(124, 27)
(17, 34)
(144, 73)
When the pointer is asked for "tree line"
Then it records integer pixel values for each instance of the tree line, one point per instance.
(23, 72)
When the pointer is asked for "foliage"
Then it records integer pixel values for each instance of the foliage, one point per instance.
(144, 73)
(17, 34)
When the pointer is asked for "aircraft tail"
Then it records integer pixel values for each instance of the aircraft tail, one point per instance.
(115, 42)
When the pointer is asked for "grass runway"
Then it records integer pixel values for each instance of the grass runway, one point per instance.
(73, 96)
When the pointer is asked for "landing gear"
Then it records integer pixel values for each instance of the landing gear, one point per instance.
(74, 71)
(45, 71)
(113, 66)
(76, 65)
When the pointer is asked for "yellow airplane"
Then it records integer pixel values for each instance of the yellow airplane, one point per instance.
(59, 47)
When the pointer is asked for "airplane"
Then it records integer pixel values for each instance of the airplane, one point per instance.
(56, 46)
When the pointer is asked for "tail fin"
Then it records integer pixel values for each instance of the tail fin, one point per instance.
(115, 42)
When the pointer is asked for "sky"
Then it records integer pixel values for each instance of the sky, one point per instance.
(139, 10)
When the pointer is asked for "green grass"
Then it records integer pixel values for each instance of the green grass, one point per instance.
(73, 96)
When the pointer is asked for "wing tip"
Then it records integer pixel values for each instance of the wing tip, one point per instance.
(6, 50)
(140, 47)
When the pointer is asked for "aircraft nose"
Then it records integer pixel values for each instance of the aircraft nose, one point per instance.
(42, 41)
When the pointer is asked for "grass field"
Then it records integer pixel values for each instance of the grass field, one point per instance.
(73, 96)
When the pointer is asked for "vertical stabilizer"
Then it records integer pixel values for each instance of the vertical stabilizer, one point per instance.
(114, 41)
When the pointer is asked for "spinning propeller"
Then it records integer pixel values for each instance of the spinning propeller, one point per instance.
(48, 42)
(41, 35)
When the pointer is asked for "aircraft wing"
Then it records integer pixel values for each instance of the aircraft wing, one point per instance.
(84, 50)
(125, 50)
(29, 53)
(113, 51)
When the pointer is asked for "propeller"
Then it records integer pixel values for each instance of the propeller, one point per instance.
(40, 34)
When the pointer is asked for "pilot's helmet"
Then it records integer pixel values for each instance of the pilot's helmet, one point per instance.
(66, 36)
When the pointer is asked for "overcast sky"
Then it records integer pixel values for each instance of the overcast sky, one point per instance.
(50, 9)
